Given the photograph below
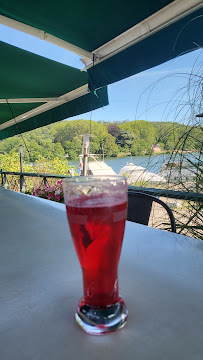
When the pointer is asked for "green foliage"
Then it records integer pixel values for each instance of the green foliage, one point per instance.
(126, 138)
(172, 135)
(9, 144)
(110, 147)
(10, 162)
(73, 148)
(113, 130)
(144, 136)
(68, 130)
(135, 137)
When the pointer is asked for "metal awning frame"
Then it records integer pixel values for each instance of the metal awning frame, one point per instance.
(43, 35)
(28, 100)
(154, 23)
(72, 95)
(149, 26)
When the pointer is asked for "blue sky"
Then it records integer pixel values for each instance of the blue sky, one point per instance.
(151, 95)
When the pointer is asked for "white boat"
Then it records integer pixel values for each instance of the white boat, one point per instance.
(176, 171)
(136, 173)
(130, 167)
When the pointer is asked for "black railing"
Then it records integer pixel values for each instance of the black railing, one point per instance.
(4, 180)
(181, 195)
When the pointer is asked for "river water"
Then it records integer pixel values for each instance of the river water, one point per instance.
(152, 163)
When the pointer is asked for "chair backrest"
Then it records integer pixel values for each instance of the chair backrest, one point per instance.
(140, 206)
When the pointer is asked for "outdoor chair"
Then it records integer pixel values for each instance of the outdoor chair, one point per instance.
(149, 210)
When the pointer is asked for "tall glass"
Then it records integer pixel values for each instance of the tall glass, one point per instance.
(96, 208)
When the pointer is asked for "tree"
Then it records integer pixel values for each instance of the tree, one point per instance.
(9, 144)
(68, 130)
(109, 146)
(136, 137)
(113, 130)
(73, 148)
(126, 138)
(58, 151)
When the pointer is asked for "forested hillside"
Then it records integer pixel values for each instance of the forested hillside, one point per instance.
(117, 138)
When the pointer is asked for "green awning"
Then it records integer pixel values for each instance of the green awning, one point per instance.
(24, 75)
(116, 39)
(177, 39)
(87, 24)
(91, 25)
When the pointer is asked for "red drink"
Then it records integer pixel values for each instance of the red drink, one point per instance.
(97, 209)
(97, 227)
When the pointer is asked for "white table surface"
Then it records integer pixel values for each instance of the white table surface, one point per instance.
(160, 277)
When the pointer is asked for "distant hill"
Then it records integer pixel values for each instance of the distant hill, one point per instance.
(135, 137)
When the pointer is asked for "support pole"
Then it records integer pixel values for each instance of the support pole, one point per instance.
(85, 152)
(85, 159)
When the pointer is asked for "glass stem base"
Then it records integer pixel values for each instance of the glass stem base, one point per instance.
(98, 321)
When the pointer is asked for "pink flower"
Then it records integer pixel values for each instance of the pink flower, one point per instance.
(54, 193)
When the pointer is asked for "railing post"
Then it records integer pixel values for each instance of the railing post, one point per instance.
(45, 180)
(5, 182)
(22, 184)
(2, 178)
